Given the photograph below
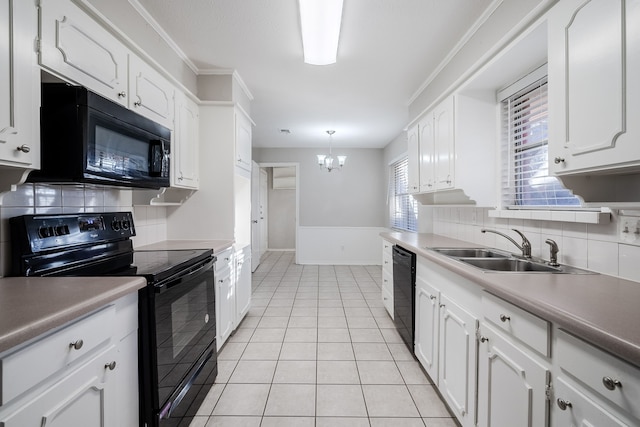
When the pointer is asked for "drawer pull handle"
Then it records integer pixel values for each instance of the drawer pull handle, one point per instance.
(484, 339)
(122, 94)
(110, 366)
(24, 148)
(442, 305)
(611, 383)
(563, 404)
(76, 345)
(433, 297)
(504, 318)
(558, 160)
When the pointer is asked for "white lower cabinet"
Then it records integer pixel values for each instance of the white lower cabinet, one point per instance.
(243, 283)
(457, 359)
(511, 384)
(387, 276)
(573, 408)
(93, 380)
(225, 296)
(427, 327)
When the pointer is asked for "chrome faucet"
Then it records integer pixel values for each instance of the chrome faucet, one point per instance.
(553, 248)
(526, 244)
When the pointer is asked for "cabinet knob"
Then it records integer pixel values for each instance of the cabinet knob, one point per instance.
(220, 281)
(558, 160)
(122, 94)
(442, 305)
(611, 383)
(110, 366)
(255, 221)
(24, 148)
(432, 297)
(76, 345)
(563, 404)
(484, 339)
(137, 103)
(504, 318)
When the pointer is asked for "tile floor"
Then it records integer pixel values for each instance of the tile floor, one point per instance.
(318, 349)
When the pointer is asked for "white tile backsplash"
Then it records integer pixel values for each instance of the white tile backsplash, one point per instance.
(592, 246)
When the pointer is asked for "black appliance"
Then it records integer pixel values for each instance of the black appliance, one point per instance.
(177, 327)
(404, 294)
(88, 138)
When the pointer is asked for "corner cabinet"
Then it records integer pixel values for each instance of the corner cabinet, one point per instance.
(594, 90)
(185, 144)
(89, 378)
(19, 86)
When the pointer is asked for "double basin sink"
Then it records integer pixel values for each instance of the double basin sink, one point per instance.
(494, 260)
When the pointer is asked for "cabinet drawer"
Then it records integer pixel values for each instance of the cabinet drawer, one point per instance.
(387, 247)
(27, 367)
(224, 260)
(387, 281)
(387, 262)
(599, 371)
(387, 301)
(526, 327)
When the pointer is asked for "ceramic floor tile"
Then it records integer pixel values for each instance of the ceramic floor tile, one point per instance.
(335, 351)
(295, 371)
(298, 351)
(366, 335)
(301, 335)
(397, 422)
(291, 400)
(379, 372)
(253, 372)
(225, 369)
(338, 372)
(330, 311)
(342, 422)
(400, 352)
(361, 322)
(340, 401)
(332, 322)
(273, 322)
(232, 351)
(303, 322)
(241, 335)
(440, 422)
(333, 335)
(412, 372)
(242, 400)
(428, 401)
(268, 335)
(389, 401)
(210, 400)
(372, 351)
(391, 336)
(288, 422)
(262, 351)
(230, 421)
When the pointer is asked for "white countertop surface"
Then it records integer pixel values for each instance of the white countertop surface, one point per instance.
(217, 245)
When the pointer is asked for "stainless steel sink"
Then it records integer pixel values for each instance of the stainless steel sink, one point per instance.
(472, 252)
(517, 265)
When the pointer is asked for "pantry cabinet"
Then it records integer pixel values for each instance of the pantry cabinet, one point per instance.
(594, 92)
(19, 86)
(90, 377)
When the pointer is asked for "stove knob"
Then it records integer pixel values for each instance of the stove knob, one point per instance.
(115, 225)
(125, 224)
(44, 232)
(62, 230)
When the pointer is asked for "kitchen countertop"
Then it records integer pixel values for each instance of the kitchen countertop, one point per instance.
(30, 306)
(600, 309)
(217, 245)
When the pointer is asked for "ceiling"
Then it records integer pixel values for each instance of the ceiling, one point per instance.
(388, 49)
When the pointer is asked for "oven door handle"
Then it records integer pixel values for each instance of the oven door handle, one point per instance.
(179, 277)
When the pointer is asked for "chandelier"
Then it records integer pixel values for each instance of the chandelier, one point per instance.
(327, 161)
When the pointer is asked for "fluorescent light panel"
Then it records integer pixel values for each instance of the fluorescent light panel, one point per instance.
(320, 21)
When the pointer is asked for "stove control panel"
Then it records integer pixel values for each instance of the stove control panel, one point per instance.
(37, 233)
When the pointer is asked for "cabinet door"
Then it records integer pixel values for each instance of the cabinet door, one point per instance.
(185, 168)
(413, 157)
(85, 397)
(77, 48)
(511, 385)
(19, 85)
(426, 150)
(243, 283)
(457, 359)
(243, 142)
(573, 408)
(594, 96)
(427, 327)
(225, 305)
(444, 152)
(151, 95)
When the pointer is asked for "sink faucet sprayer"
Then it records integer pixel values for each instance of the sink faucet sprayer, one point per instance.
(553, 248)
(526, 244)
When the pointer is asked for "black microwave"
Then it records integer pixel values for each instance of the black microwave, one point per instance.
(89, 139)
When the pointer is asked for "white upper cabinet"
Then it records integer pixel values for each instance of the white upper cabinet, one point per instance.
(594, 90)
(19, 85)
(426, 141)
(243, 142)
(184, 152)
(150, 94)
(444, 144)
(413, 159)
(76, 47)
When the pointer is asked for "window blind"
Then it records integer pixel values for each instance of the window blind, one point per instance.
(403, 208)
(525, 171)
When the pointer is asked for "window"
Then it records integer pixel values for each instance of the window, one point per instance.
(403, 208)
(525, 172)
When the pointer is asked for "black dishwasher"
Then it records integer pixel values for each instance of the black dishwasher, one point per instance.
(404, 287)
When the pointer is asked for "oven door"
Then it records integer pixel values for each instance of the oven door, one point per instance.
(179, 360)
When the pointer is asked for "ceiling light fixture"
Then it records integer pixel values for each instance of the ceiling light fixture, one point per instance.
(320, 22)
(326, 161)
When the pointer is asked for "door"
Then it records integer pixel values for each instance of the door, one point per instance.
(427, 327)
(263, 219)
(457, 359)
(511, 385)
(255, 216)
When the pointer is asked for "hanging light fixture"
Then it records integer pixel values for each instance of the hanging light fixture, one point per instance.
(326, 162)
